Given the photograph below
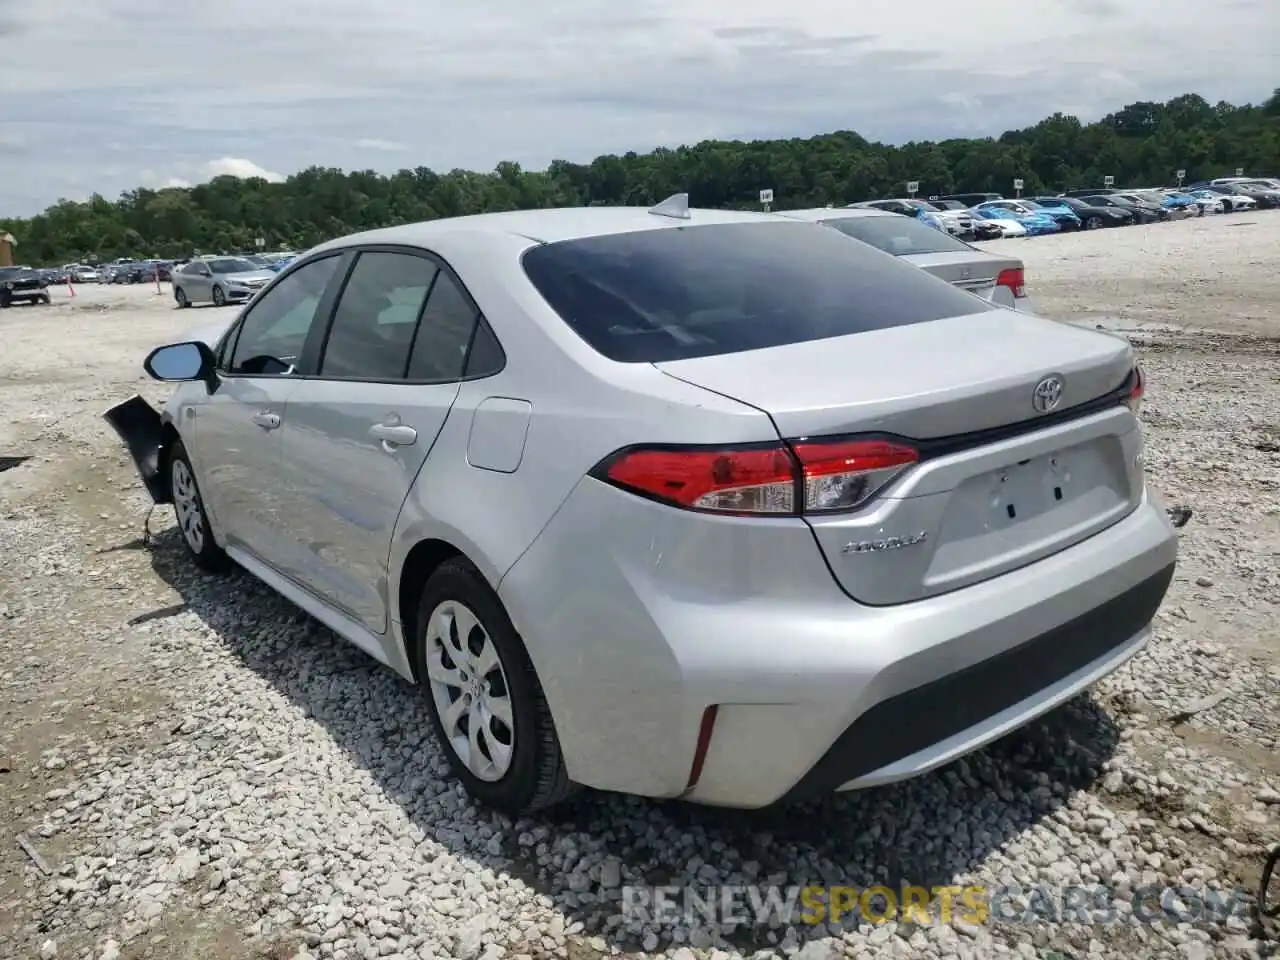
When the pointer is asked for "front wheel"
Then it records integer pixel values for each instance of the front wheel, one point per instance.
(1093, 223)
(219, 298)
(189, 507)
(487, 706)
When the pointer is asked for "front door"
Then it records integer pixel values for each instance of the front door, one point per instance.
(238, 427)
(357, 435)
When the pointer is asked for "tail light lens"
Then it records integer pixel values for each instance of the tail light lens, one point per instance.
(1014, 279)
(805, 477)
(1136, 390)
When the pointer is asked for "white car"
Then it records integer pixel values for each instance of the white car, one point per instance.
(1008, 228)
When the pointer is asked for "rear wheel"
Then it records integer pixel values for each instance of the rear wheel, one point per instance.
(219, 298)
(487, 706)
(188, 505)
(180, 295)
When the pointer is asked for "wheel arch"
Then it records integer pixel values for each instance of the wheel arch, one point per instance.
(422, 560)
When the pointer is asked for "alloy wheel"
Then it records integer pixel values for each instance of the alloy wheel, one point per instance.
(186, 504)
(469, 688)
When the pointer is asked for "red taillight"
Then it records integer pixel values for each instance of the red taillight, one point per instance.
(808, 476)
(1138, 387)
(1014, 279)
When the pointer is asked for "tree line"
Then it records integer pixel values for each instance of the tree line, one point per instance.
(1143, 144)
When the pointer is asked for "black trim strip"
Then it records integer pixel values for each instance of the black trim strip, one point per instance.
(911, 721)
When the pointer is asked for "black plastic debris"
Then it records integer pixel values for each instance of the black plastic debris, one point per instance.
(8, 463)
(1178, 516)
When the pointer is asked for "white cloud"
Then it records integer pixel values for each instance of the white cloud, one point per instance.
(177, 182)
(239, 167)
(459, 87)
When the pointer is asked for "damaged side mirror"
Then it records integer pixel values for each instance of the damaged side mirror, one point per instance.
(181, 362)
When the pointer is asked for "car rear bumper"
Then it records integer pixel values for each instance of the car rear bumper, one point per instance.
(682, 642)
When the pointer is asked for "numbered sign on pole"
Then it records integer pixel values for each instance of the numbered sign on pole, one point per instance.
(1108, 181)
(1182, 175)
(913, 186)
(1017, 184)
(1239, 171)
(766, 196)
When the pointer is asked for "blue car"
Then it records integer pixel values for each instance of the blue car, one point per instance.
(1036, 224)
(1063, 216)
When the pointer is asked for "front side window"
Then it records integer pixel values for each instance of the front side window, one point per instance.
(376, 317)
(898, 235)
(675, 293)
(274, 329)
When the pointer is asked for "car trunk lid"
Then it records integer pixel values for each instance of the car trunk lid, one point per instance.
(999, 485)
(974, 271)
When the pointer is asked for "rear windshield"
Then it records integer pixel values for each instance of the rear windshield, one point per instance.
(700, 291)
(899, 235)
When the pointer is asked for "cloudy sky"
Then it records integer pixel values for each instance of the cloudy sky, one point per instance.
(106, 95)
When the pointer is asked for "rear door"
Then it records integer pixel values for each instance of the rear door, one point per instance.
(197, 282)
(357, 434)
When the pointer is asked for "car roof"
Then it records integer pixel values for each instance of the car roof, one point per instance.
(815, 214)
(545, 226)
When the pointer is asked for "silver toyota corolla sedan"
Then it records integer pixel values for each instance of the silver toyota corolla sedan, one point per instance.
(999, 279)
(682, 503)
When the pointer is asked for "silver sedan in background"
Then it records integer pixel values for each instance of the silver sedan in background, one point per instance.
(1001, 280)
(218, 280)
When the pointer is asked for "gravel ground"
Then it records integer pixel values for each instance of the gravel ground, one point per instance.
(205, 772)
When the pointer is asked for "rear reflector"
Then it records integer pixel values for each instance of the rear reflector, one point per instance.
(1136, 390)
(1014, 279)
(805, 477)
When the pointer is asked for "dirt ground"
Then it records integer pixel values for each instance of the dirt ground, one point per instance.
(98, 641)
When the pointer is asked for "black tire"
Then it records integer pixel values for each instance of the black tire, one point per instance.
(46, 300)
(219, 298)
(536, 778)
(180, 295)
(201, 547)
(1093, 223)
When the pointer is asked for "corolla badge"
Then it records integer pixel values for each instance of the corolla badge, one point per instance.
(888, 543)
(1047, 394)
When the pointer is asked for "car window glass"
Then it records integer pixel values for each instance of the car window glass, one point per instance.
(898, 235)
(486, 357)
(440, 349)
(373, 326)
(651, 296)
(275, 328)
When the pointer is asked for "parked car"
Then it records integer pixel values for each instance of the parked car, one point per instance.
(1142, 212)
(1091, 217)
(1087, 192)
(1262, 192)
(1065, 217)
(982, 229)
(22, 285)
(278, 265)
(1156, 202)
(577, 487)
(958, 223)
(1206, 203)
(80, 273)
(218, 280)
(1007, 225)
(971, 200)
(999, 279)
(1231, 202)
(1037, 223)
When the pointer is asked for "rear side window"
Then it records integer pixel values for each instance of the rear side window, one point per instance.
(697, 291)
(898, 235)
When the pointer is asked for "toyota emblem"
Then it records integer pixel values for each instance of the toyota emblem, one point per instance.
(1047, 395)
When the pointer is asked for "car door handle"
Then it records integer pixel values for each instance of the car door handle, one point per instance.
(267, 421)
(394, 434)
